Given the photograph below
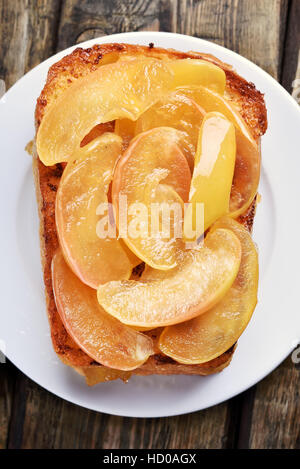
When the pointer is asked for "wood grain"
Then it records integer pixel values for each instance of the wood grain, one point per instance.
(49, 422)
(276, 411)
(27, 35)
(91, 18)
(291, 51)
(7, 379)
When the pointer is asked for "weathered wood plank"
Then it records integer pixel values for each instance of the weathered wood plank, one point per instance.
(7, 378)
(50, 422)
(291, 53)
(239, 419)
(16, 428)
(276, 412)
(27, 35)
(91, 18)
(34, 416)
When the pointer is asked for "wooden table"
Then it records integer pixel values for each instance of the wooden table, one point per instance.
(268, 33)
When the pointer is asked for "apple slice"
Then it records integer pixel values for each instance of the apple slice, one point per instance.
(200, 280)
(124, 89)
(99, 335)
(152, 158)
(191, 72)
(198, 72)
(247, 168)
(82, 189)
(213, 173)
(102, 374)
(179, 112)
(211, 334)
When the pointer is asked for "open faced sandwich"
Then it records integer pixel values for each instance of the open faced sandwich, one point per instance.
(147, 163)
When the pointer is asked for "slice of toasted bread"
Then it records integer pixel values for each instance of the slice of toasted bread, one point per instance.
(248, 101)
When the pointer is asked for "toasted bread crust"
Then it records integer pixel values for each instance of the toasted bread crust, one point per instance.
(250, 103)
(246, 97)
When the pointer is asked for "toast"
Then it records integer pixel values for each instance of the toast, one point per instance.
(249, 102)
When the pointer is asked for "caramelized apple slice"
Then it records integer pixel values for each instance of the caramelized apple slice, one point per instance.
(99, 335)
(152, 157)
(180, 112)
(200, 280)
(102, 374)
(247, 168)
(213, 173)
(82, 190)
(124, 89)
(211, 334)
(192, 72)
(198, 72)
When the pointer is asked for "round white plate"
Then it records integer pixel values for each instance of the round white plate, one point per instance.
(275, 327)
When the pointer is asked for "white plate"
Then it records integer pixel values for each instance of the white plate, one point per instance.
(275, 327)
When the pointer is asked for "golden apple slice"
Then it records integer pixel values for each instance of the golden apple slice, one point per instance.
(124, 89)
(191, 72)
(179, 112)
(213, 173)
(211, 334)
(82, 192)
(99, 335)
(198, 72)
(200, 280)
(102, 374)
(247, 168)
(152, 157)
